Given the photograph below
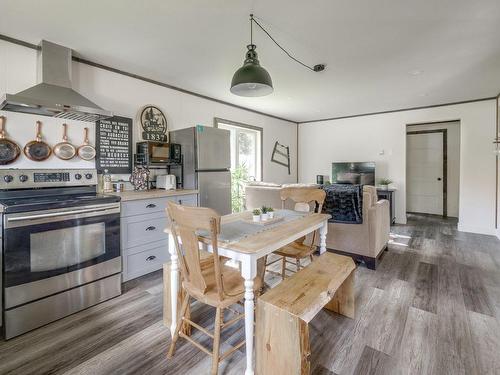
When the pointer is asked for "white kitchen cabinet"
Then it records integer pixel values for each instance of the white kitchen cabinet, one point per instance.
(144, 244)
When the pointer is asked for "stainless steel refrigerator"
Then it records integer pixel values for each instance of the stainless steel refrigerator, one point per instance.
(207, 161)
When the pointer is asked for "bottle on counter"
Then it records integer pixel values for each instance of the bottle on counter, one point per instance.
(107, 186)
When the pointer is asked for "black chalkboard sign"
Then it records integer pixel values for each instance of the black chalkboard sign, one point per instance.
(114, 145)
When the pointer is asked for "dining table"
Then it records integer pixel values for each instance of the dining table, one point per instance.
(246, 242)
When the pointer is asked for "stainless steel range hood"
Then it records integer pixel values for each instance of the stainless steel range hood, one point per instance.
(53, 95)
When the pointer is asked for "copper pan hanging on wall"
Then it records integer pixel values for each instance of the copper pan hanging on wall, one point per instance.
(64, 150)
(37, 150)
(9, 150)
(86, 151)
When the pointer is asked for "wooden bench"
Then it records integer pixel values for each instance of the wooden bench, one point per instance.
(283, 313)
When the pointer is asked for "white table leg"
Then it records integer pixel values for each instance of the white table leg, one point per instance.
(174, 282)
(322, 237)
(249, 271)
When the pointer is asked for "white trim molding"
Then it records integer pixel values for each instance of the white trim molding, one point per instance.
(478, 230)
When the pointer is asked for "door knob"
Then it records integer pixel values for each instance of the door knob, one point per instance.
(439, 178)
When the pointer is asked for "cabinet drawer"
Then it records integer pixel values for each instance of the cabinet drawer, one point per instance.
(187, 200)
(142, 229)
(144, 206)
(144, 259)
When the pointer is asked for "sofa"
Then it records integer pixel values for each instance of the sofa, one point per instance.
(363, 242)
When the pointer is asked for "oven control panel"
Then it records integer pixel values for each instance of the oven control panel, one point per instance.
(33, 178)
(51, 177)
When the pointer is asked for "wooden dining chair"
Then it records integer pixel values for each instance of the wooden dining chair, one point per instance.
(218, 285)
(305, 199)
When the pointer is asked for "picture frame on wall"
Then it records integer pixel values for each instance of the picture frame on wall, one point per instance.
(114, 145)
(153, 124)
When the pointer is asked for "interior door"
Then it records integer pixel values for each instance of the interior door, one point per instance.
(424, 173)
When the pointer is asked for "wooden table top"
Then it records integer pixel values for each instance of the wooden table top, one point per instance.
(272, 238)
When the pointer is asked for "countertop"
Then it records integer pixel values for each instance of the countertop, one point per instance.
(132, 195)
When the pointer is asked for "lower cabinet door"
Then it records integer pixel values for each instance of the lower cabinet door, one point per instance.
(141, 260)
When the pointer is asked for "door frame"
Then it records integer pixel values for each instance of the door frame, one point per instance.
(445, 161)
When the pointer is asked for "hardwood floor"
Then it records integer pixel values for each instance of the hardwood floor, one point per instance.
(432, 307)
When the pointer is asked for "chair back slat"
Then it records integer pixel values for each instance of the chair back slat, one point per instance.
(186, 221)
(190, 245)
(303, 197)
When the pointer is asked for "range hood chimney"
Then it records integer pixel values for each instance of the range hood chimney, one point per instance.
(53, 95)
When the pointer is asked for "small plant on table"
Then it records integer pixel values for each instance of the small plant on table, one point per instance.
(256, 215)
(385, 182)
(270, 212)
(264, 215)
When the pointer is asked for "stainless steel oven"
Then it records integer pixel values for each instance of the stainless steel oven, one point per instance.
(58, 260)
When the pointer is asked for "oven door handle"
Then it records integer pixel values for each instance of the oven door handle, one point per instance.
(61, 213)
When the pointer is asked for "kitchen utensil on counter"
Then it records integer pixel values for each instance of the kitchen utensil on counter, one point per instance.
(107, 186)
(166, 181)
(64, 150)
(37, 150)
(140, 178)
(86, 151)
(9, 150)
(118, 186)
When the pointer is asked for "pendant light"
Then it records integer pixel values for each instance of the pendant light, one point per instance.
(253, 80)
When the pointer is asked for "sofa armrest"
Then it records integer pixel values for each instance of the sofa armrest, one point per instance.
(379, 226)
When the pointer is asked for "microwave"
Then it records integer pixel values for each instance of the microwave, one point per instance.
(159, 152)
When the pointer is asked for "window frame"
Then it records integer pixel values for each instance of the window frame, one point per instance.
(218, 120)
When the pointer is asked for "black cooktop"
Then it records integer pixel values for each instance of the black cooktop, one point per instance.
(49, 202)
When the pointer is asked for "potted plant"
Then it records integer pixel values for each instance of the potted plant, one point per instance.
(385, 182)
(270, 212)
(256, 215)
(264, 216)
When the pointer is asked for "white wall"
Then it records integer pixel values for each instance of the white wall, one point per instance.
(363, 138)
(453, 161)
(125, 96)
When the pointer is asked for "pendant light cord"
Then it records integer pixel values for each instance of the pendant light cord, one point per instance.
(251, 29)
(316, 68)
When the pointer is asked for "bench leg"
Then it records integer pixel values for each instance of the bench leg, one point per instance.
(282, 342)
(343, 301)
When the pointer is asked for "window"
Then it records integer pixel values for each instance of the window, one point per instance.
(246, 158)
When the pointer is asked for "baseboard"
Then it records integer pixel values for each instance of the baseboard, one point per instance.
(401, 220)
(477, 230)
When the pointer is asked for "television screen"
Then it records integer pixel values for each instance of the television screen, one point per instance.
(355, 173)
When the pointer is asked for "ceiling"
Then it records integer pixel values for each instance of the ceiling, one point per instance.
(380, 55)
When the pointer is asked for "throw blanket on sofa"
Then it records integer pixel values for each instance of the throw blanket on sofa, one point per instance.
(344, 203)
